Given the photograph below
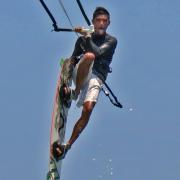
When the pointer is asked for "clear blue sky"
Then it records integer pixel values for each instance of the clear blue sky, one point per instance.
(139, 142)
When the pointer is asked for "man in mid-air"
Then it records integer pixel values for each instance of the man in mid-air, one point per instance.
(91, 58)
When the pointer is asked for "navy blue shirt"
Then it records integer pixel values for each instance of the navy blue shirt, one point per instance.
(103, 48)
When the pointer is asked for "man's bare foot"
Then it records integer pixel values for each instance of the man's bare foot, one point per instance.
(68, 94)
(59, 151)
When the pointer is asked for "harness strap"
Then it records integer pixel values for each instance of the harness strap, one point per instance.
(114, 101)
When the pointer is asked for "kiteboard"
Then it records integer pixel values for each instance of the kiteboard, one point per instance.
(59, 118)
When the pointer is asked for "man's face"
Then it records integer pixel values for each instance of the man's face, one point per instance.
(101, 22)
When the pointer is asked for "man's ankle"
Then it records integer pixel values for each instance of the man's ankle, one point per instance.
(68, 146)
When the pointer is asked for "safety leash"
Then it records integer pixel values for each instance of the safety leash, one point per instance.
(114, 101)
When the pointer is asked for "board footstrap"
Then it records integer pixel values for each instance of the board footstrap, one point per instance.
(53, 171)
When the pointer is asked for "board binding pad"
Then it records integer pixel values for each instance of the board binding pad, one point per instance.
(59, 117)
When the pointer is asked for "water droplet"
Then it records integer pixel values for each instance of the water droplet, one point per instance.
(100, 176)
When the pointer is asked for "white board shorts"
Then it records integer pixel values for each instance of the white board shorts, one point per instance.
(91, 88)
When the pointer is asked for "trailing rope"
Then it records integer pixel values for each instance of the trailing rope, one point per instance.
(114, 101)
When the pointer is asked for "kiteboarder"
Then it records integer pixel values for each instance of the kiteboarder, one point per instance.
(91, 58)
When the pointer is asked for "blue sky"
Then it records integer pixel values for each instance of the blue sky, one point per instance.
(139, 142)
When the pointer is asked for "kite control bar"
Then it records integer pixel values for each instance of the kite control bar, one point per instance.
(57, 29)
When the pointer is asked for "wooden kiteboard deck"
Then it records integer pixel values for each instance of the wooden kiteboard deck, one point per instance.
(59, 118)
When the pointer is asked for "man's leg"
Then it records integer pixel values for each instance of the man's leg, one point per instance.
(83, 70)
(82, 73)
(59, 151)
(82, 122)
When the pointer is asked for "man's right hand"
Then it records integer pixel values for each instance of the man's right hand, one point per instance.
(84, 31)
(80, 30)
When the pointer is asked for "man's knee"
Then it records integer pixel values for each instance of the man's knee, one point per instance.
(89, 56)
(87, 60)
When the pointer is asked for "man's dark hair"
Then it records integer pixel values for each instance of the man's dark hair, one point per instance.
(100, 11)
